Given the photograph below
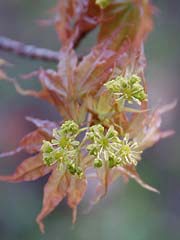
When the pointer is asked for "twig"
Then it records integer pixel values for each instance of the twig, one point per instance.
(28, 51)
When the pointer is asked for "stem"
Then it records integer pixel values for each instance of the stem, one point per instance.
(28, 51)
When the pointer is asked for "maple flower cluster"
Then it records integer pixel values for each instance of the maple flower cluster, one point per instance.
(106, 148)
(63, 149)
(127, 89)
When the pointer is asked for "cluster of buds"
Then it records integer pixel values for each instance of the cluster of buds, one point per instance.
(127, 89)
(64, 149)
(103, 3)
(109, 150)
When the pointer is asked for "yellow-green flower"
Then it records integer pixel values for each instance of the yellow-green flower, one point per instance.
(127, 89)
(109, 150)
(129, 151)
(63, 149)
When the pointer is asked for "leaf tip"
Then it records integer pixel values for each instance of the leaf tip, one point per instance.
(40, 224)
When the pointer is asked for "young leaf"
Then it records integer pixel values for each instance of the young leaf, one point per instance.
(145, 128)
(54, 192)
(30, 169)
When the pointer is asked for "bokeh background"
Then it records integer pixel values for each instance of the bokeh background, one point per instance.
(128, 212)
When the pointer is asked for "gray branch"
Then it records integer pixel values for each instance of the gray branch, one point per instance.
(28, 51)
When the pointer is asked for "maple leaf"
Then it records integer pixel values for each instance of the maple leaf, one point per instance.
(58, 87)
(59, 186)
(74, 19)
(30, 169)
(145, 128)
(97, 67)
(132, 18)
(32, 142)
(108, 177)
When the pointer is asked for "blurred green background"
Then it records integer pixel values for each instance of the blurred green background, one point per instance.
(128, 212)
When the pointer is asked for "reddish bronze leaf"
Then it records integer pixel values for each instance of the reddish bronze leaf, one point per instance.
(131, 173)
(58, 186)
(66, 68)
(54, 84)
(132, 18)
(54, 192)
(111, 175)
(75, 193)
(75, 19)
(44, 125)
(145, 128)
(32, 142)
(53, 81)
(65, 12)
(30, 169)
(96, 68)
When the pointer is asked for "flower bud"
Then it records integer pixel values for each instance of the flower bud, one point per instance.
(72, 168)
(98, 163)
(112, 162)
(46, 147)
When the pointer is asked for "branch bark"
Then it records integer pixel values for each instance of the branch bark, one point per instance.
(28, 51)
